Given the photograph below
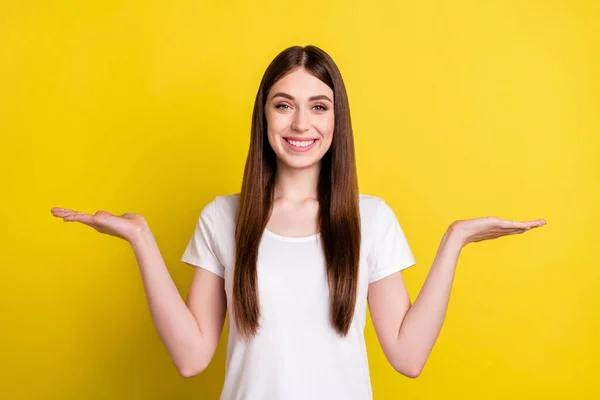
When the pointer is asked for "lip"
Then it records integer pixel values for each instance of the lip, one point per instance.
(299, 149)
(300, 138)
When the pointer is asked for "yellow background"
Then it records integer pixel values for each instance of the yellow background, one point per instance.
(461, 109)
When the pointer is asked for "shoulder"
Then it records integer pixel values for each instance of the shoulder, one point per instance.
(370, 206)
(222, 211)
(369, 215)
(219, 214)
(376, 215)
(368, 200)
(226, 205)
(220, 206)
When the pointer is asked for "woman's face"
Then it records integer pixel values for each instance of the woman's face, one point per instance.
(300, 118)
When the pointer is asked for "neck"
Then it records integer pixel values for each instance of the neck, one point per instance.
(297, 184)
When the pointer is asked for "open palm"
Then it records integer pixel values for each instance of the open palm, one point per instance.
(478, 229)
(125, 226)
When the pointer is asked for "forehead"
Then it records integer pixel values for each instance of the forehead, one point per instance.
(301, 84)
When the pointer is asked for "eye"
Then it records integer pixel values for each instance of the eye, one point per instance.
(282, 106)
(322, 107)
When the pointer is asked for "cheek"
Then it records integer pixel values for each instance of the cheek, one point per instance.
(326, 126)
(276, 123)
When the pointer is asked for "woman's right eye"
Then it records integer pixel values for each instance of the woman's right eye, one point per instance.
(280, 106)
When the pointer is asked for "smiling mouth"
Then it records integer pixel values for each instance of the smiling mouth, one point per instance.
(300, 145)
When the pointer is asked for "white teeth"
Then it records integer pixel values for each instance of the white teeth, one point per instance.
(300, 144)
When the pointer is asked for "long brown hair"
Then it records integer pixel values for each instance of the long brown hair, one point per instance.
(339, 217)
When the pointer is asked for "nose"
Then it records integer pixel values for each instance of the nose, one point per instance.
(301, 121)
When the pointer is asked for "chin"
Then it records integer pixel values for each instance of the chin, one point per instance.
(298, 164)
(298, 160)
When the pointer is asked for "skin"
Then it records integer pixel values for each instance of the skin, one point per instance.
(296, 206)
(191, 330)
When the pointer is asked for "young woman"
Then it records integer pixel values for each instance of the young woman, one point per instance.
(296, 255)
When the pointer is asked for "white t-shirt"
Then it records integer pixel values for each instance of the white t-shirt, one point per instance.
(297, 354)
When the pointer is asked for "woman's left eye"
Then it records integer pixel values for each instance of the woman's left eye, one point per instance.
(282, 106)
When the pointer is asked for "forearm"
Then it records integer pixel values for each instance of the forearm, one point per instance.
(176, 325)
(423, 321)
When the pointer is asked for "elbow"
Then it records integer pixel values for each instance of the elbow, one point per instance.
(410, 371)
(191, 370)
(187, 372)
(414, 373)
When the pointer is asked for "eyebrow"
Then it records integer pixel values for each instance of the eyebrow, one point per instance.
(290, 97)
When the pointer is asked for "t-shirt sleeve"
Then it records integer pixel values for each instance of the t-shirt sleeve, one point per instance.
(201, 249)
(391, 250)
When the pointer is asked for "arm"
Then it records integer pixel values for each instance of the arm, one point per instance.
(190, 335)
(408, 332)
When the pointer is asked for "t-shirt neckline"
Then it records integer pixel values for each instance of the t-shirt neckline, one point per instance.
(292, 238)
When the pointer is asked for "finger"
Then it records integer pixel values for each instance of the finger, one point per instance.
(80, 217)
(518, 231)
(53, 209)
(523, 225)
(513, 224)
(537, 222)
(533, 224)
(61, 211)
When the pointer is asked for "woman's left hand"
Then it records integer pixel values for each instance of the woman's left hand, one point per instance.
(478, 229)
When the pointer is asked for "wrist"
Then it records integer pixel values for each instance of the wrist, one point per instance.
(455, 237)
(141, 237)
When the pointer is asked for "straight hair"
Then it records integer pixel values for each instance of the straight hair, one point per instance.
(339, 214)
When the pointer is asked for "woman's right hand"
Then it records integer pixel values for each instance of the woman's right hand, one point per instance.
(126, 226)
